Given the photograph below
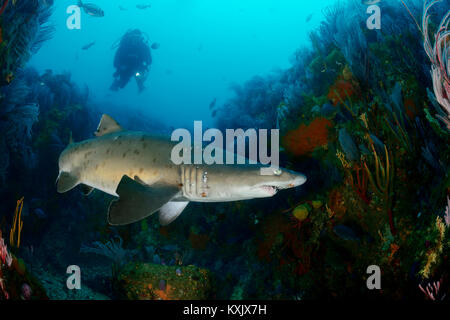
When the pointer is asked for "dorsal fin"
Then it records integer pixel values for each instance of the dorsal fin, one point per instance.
(107, 125)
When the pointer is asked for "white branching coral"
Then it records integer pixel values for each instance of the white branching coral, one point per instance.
(440, 60)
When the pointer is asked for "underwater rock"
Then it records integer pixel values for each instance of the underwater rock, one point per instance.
(55, 285)
(348, 145)
(143, 281)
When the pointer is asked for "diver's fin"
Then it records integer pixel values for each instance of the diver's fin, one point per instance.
(170, 211)
(85, 189)
(66, 182)
(107, 125)
(138, 201)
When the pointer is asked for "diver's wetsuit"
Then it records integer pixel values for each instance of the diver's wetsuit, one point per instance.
(133, 59)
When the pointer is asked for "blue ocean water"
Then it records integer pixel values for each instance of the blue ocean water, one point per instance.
(204, 47)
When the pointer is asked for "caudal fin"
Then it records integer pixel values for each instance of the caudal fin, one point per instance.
(80, 4)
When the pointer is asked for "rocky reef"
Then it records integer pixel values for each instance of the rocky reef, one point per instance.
(145, 281)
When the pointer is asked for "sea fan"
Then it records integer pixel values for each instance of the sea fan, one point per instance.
(112, 250)
(17, 129)
(255, 102)
(24, 29)
(343, 20)
(439, 57)
(13, 95)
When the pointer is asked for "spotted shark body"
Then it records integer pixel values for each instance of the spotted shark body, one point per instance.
(136, 167)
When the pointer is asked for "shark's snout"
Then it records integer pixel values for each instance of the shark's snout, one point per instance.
(299, 180)
(289, 179)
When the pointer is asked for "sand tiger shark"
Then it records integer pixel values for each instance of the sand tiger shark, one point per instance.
(136, 167)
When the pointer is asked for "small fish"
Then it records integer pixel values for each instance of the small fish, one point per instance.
(370, 2)
(91, 9)
(143, 6)
(155, 45)
(212, 104)
(86, 47)
(122, 8)
(309, 17)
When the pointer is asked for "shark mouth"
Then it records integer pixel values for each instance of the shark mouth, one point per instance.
(272, 190)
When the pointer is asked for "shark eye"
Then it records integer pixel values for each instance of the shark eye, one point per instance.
(277, 172)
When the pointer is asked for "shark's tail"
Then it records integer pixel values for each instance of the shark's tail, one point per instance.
(80, 4)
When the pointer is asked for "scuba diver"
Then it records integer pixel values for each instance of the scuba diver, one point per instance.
(133, 59)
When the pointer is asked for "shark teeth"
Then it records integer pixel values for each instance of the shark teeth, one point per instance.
(270, 189)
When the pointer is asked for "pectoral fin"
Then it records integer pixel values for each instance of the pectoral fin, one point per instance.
(66, 182)
(170, 211)
(138, 201)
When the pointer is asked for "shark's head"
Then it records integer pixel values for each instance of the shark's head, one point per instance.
(247, 182)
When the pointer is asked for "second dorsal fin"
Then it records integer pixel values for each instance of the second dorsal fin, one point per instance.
(107, 125)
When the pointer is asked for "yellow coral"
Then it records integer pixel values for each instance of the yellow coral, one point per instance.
(432, 255)
(17, 224)
(300, 213)
(329, 211)
(317, 204)
(344, 162)
(363, 118)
